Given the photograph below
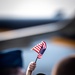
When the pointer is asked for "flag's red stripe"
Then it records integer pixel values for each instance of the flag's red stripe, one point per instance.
(39, 47)
(35, 49)
(44, 44)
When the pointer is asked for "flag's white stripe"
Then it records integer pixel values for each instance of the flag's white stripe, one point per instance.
(38, 47)
(44, 44)
(40, 44)
(35, 49)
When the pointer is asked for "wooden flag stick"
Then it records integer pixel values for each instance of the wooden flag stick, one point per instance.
(36, 60)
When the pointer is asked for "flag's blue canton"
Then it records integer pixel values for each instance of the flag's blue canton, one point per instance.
(42, 51)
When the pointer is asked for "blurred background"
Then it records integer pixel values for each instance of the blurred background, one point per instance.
(25, 23)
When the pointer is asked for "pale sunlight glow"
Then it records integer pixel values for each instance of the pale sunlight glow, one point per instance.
(34, 8)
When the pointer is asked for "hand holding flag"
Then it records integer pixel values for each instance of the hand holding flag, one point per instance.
(40, 49)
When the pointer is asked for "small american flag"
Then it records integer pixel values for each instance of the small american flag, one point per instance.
(40, 48)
